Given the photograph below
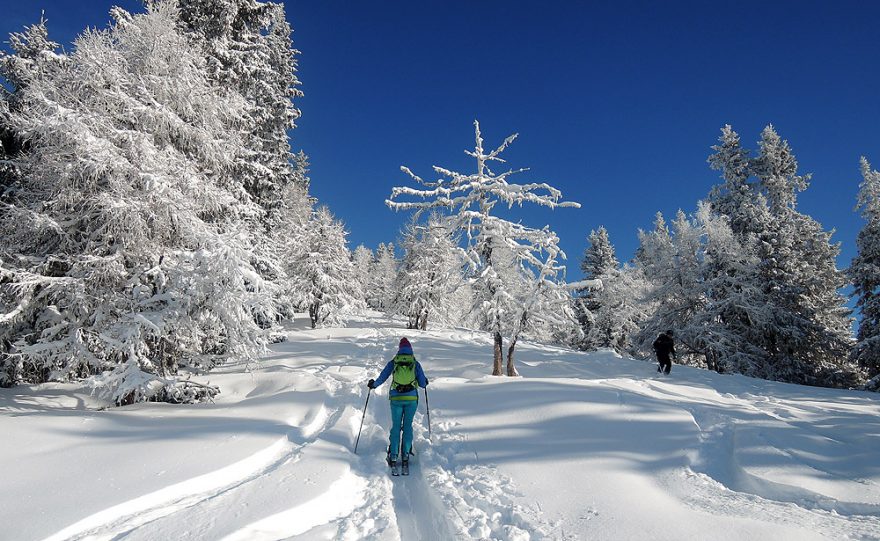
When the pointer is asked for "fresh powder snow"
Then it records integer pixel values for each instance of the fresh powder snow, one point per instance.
(581, 446)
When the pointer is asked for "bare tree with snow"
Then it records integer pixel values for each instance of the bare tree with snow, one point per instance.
(471, 200)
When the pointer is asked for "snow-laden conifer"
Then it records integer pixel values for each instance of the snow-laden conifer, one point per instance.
(727, 332)
(865, 276)
(599, 259)
(614, 312)
(779, 299)
(471, 200)
(812, 336)
(429, 276)
(127, 246)
(381, 283)
(248, 49)
(33, 55)
(362, 260)
(323, 274)
(736, 197)
(674, 264)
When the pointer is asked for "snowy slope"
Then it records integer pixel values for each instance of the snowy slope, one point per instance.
(583, 446)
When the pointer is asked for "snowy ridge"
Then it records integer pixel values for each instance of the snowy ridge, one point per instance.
(583, 446)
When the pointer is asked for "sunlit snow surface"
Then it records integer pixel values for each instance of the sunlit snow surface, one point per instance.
(582, 446)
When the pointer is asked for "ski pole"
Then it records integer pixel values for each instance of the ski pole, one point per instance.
(428, 406)
(362, 421)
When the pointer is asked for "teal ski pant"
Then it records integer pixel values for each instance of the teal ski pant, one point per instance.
(402, 412)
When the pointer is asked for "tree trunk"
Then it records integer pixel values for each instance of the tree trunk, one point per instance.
(424, 321)
(511, 367)
(499, 355)
(313, 313)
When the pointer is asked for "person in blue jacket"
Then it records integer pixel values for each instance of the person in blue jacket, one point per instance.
(404, 397)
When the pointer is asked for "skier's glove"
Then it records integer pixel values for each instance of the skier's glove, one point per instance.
(371, 384)
(426, 382)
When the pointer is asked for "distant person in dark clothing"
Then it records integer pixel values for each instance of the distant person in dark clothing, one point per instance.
(664, 346)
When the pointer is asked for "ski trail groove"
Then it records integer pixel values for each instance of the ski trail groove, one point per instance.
(122, 519)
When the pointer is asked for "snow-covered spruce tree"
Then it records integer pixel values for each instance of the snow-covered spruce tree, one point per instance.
(736, 313)
(383, 273)
(249, 51)
(615, 310)
(362, 260)
(865, 276)
(34, 55)
(623, 309)
(736, 197)
(654, 248)
(599, 257)
(812, 338)
(599, 261)
(323, 274)
(289, 236)
(126, 245)
(429, 275)
(674, 271)
(471, 199)
(803, 331)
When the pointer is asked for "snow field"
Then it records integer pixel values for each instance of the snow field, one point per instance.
(583, 446)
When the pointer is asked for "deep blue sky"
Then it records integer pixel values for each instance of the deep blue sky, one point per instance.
(616, 103)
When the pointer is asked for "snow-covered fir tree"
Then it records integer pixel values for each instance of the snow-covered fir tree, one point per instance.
(362, 260)
(735, 314)
(289, 237)
(323, 274)
(430, 274)
(812, 335)
(599, 260)
(127, 245)
(383, 273)
(750, 284)
(471, 200)
(673, 265)
(34, 55)
(736, 197)
(249, 51)
(865, 276)
(613, 312)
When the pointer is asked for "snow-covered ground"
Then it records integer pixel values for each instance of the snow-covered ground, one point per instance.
(582, 446)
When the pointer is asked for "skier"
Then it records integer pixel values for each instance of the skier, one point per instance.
(404, 398)
(663, 346)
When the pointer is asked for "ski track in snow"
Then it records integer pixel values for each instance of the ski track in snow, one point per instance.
(198, 501)
(120, 520)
